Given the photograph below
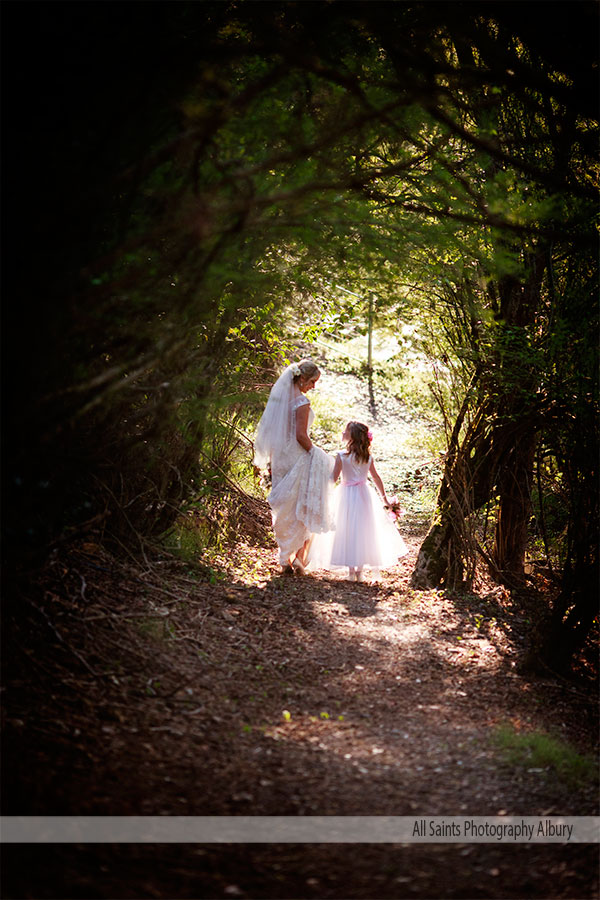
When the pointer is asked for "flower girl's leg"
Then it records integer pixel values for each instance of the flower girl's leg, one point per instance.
(359, 575)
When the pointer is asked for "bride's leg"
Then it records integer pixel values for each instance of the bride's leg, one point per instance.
(301, 557)
(302, 553)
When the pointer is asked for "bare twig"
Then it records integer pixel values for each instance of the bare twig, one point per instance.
(62, 640)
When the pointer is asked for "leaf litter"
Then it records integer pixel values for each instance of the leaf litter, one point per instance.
(222, 688)
(267, 695)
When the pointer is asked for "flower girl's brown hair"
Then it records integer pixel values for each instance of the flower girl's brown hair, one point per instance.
(360, 441)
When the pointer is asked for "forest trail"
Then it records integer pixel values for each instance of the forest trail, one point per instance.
(392, 422)
(241, 691)
(402, 462)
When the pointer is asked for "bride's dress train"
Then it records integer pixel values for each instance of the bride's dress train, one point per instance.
(301, 491)
(301, 501)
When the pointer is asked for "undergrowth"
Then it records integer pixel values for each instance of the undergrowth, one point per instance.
(536, 750)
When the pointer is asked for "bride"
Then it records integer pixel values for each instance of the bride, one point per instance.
(300, 471)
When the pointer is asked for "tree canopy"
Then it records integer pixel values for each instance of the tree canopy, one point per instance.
(183, 178)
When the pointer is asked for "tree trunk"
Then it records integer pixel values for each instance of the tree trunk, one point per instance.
(514, 512)
(487, 459)
(372, 407)
(447, 555)
(556, 642)
(577, 606)
(496, 453)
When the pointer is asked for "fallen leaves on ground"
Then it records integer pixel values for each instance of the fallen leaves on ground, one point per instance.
(151, 689)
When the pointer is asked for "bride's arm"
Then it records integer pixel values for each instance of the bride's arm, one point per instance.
(302, 427)
(337, 468)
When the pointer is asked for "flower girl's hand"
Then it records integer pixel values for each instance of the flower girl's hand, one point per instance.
(394, 508)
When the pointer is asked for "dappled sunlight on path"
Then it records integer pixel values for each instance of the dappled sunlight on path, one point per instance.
(255, 693)
(230, 689)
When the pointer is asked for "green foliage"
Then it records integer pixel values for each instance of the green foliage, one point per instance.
(228, 208)
(330, 420)
(542, 752)
(188, 538)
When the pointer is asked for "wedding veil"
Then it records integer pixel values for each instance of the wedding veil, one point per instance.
(277, 427)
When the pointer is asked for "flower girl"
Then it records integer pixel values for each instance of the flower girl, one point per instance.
(364, 534)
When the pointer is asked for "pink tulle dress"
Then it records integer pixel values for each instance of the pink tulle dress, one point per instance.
(364, 534)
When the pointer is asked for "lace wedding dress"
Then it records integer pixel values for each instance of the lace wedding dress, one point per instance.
(301, 491)
(300, 495)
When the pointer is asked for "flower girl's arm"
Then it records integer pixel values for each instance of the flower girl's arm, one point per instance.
(378, 482)
(302, 427)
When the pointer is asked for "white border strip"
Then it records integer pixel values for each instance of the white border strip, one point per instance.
(299, 829)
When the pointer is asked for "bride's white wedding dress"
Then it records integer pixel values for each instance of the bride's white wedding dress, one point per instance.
(301, 493)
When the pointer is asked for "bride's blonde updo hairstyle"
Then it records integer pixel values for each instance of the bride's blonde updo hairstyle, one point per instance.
(308, 369)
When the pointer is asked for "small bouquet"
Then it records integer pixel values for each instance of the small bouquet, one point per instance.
(267, 479)
(395, 511)
(263, 477)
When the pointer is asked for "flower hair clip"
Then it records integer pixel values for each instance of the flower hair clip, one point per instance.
(296, 370)
(370, 435)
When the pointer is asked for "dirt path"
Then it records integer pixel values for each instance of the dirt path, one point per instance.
(394, 425)
(155, 689)
(265, 695)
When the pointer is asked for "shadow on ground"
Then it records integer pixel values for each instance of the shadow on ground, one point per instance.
(154, 692)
